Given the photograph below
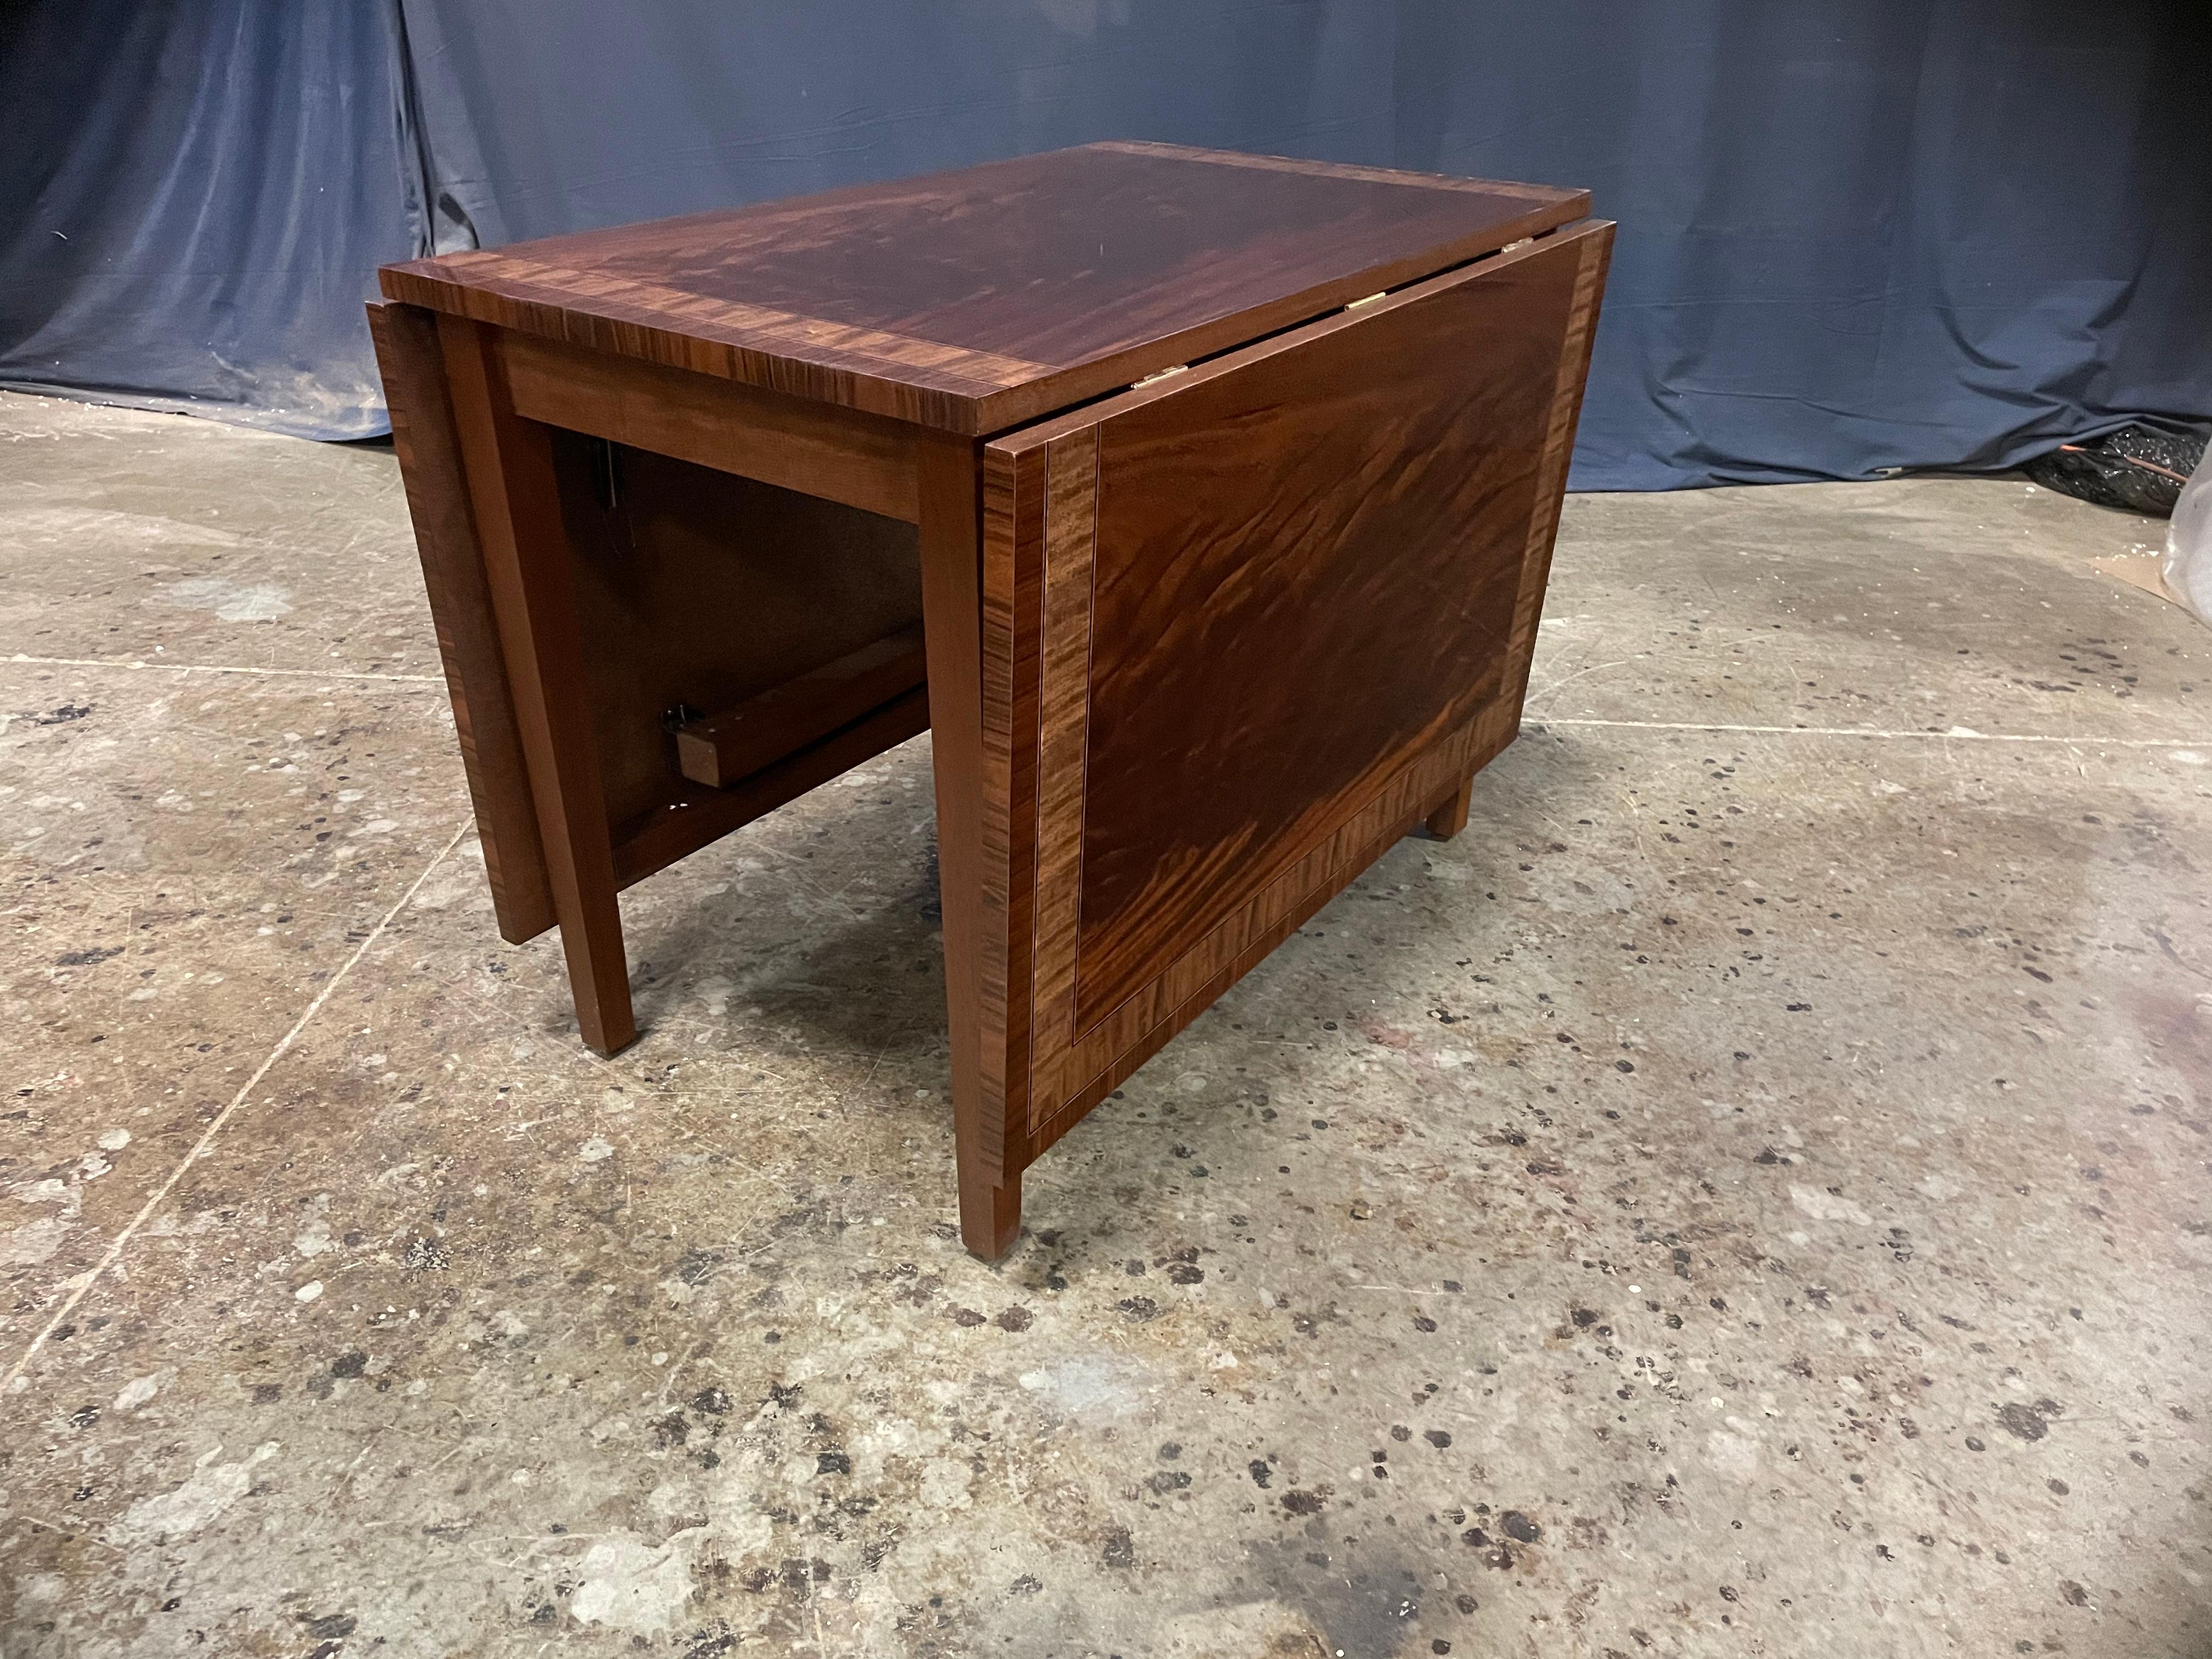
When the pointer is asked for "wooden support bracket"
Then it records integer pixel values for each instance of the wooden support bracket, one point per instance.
(724, 749)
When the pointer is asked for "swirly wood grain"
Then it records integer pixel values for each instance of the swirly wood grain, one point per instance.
(1280, 609)
(1306, 569)
(1143, 1025)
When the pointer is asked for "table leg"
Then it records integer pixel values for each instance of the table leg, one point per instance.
(1450, 818)
(951, 603)
(515, 493)
(990, 1216)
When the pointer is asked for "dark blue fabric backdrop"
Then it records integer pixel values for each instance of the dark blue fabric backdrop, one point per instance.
(1856, 235)
(193, 201)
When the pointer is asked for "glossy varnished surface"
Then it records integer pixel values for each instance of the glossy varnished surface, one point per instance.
(1302, 570)
(1248, 626)
(975, 299)
(1239, 593)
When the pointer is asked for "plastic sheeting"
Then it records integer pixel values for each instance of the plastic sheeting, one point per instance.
(1854, 236)
(2187, 566)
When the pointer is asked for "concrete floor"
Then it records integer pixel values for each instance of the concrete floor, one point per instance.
(1746, 1195)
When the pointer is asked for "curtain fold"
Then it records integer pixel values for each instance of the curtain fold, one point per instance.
(1854, 237)
(194, 203)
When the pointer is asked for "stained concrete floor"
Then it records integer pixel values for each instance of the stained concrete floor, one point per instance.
(1746, 1195)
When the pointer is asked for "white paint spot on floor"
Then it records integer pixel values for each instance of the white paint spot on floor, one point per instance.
(1732, 1455)
(140, 1390)
(596, 1150)
(200, 1501)
(1826, 1206)
(230, 601)
(632, 1585)
(944, 1483)
(114, 1141)
(315, 1237)
(33, 1242)
(40, 1589)
(456, 882)
(1098, 1383)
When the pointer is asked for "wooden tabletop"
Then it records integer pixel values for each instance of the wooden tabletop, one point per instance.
(978, 300)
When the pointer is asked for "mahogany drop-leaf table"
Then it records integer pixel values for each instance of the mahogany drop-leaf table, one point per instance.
(1199, 504)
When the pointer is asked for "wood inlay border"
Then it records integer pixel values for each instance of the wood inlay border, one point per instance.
(1040, 491)
(1072, 1065)
(1130, 1035)
(870, 369)
(1558, 450)
(1013, 534)
(1071, 523)
(1064, 1060)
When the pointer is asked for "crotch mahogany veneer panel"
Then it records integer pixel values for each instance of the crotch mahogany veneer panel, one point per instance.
(1281, 604)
